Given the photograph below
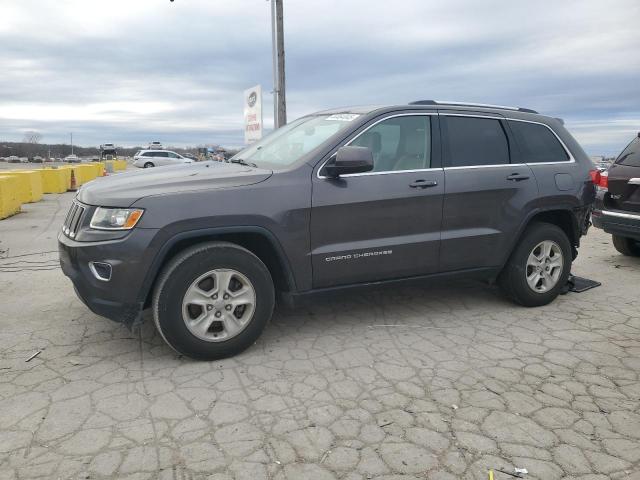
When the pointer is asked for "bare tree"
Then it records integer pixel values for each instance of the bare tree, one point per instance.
(32, 137)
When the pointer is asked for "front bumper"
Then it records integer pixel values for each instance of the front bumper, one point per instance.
(122, 298)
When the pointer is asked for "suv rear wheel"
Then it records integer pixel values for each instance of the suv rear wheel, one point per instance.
(626, 246)
(213, 300)
(539, 266)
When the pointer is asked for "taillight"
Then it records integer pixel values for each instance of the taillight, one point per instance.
(600, 179)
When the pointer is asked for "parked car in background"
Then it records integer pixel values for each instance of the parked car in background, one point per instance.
(158, 158)
(155, 146)
(617, 207)
(336, 199)
(13, 159)
(37, 159)
(72, 159)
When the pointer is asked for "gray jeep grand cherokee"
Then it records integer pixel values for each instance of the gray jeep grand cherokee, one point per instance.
(340, 198)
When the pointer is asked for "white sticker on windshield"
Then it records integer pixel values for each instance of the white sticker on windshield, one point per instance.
(343, 117)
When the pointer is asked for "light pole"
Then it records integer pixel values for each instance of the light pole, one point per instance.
(277, 39)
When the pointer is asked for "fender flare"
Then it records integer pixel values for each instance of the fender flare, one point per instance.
(161, 255)
(527, 221)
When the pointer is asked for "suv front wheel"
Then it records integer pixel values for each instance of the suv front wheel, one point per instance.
(539, 266)
(213, 300)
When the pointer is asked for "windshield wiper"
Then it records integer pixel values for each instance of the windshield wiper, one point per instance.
(243, 162)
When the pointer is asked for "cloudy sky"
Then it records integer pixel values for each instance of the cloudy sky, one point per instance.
(132, 71)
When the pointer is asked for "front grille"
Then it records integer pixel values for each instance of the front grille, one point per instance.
(72, 222)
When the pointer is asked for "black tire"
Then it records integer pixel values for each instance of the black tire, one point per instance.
(626, 246)
(513, 279)
(149, 165)
(178, 275)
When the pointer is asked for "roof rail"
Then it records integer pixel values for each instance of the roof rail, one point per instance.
(463, 104)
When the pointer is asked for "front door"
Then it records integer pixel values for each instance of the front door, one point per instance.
(382, 224)
(485, 196)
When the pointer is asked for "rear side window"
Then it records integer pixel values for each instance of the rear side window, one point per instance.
(630, 156)
(537, 143)
(161, 154)
(474, 141)
(148, 154)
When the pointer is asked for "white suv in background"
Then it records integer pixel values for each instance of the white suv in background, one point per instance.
(158, 158)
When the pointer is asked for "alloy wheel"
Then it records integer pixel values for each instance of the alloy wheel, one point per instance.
(218, 305)
(544, 266)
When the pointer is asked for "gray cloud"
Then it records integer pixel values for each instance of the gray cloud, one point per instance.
(131, 72)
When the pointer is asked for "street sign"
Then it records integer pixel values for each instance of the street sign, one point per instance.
(252, 114)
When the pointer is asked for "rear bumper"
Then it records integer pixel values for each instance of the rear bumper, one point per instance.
(617, 222)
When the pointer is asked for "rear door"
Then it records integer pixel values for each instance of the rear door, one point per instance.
(624, 180)
(485, 194)
(382, 224)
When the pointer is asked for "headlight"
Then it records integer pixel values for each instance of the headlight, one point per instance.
(115, 218)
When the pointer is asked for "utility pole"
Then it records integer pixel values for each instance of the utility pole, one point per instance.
(277, 38)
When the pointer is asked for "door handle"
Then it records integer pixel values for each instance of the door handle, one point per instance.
(517, 177)
(423, 184)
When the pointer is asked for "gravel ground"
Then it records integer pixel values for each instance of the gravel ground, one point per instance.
(439, 381)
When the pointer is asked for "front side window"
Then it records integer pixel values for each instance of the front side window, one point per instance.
(537, 143)
(475, 141)
(288, 144)
(399, 143)
(630, 156)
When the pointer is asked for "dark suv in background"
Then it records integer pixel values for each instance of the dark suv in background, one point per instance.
(335, 199)
(617, 207)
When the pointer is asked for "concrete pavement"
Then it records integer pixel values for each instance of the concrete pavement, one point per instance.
(439, 381)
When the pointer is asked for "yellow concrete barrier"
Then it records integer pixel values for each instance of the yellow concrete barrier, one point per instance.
(55, 180)
(33, 183)
(121, 165)
(99, 166)
(77, 173)
(23, 188)
(85, 173)
(9, 202)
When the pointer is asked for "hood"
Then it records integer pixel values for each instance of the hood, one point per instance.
(123, 189)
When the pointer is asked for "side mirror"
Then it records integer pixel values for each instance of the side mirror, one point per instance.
(350, 160)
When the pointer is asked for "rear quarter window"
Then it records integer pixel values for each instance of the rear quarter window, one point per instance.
(630, 156)
(537, 143)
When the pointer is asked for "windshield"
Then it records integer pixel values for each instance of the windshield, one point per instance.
(288, 144)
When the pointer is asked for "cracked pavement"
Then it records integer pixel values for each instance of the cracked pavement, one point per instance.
(439, 381)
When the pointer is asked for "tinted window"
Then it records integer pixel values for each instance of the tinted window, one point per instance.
(399, 143)
(173, 155)
(161, 154)
(148, 154)
(537, 143)
(630, 156)
(476, 141)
